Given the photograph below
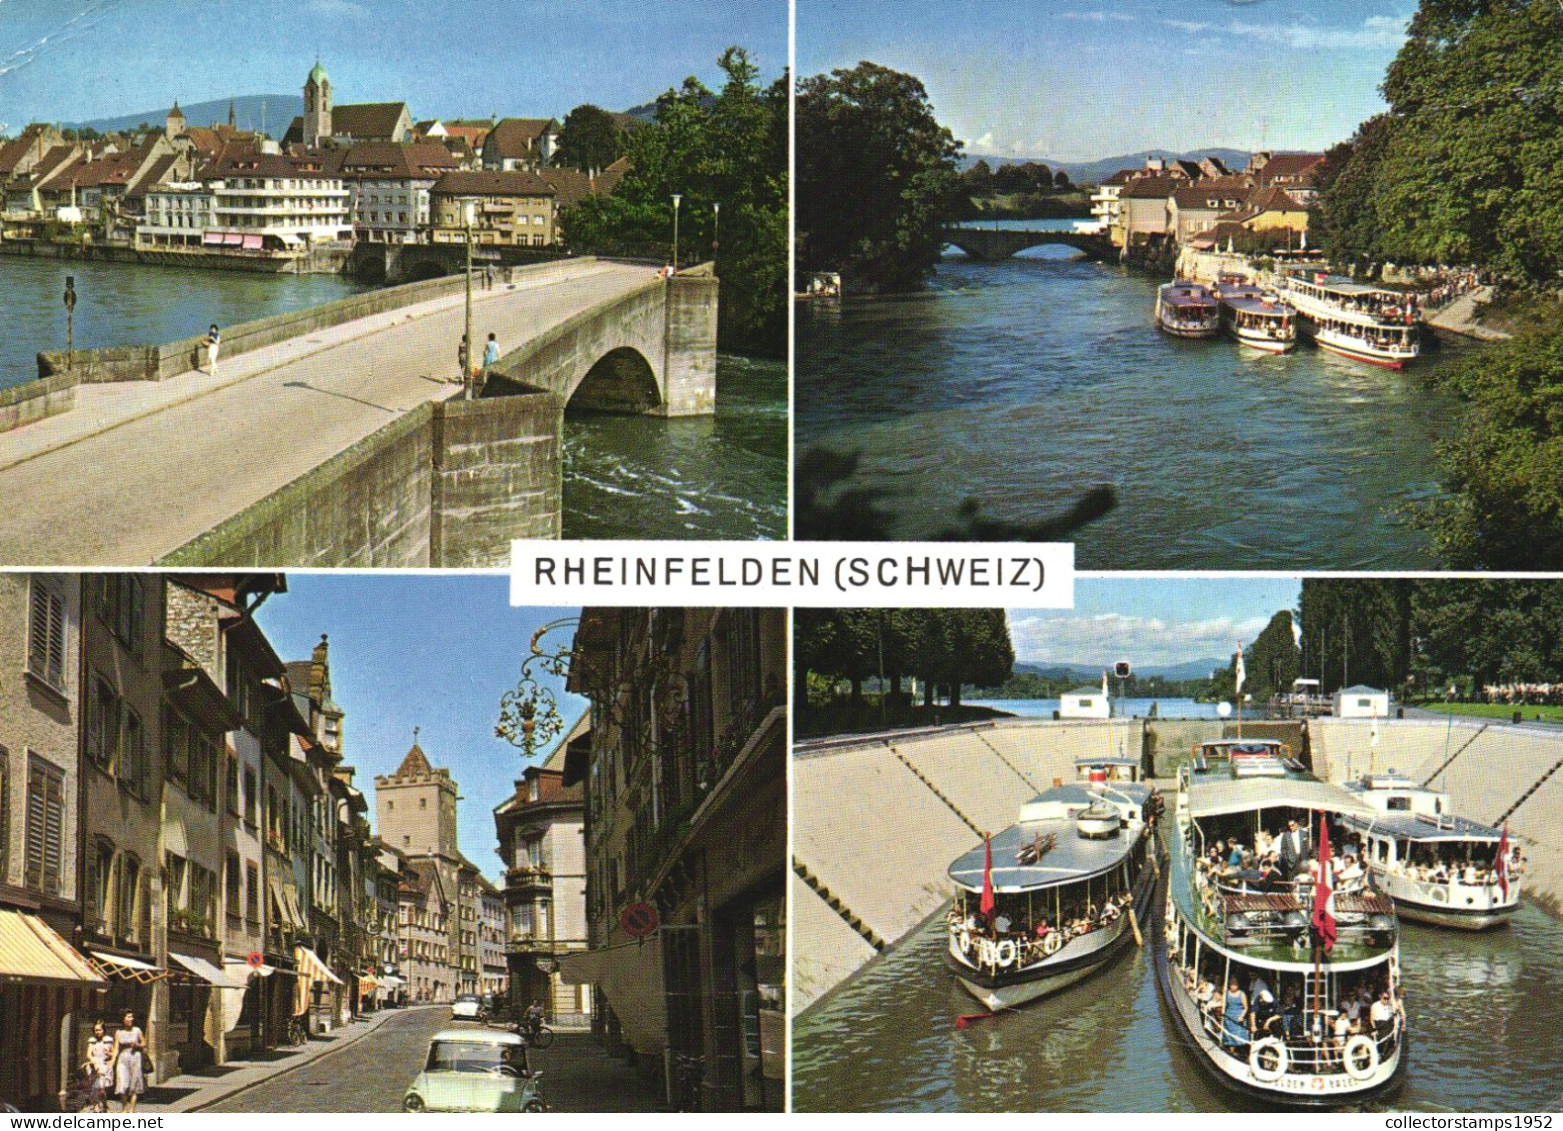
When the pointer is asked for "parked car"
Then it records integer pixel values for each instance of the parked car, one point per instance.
(475, 1070)
(466, 1007)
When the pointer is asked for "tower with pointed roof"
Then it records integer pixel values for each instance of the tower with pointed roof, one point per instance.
(317, 105)
(415, 807)
(174, 124)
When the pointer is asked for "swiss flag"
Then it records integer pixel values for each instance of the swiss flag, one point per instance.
(986, 906)
(1500, 866)
(1324, 891)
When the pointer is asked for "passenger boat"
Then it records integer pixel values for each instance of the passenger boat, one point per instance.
(1437, 867)
(1296, 1043)
(1187, 310)
(1072, 882)
(1255, 316)
(1355, 320)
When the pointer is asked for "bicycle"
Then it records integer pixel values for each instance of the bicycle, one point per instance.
(688, 1076)
(297, 1032)
(538, 1035)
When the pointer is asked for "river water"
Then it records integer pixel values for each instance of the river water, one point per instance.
(1122, 708)
(641, 477)
(1484, 1013)
(1024, 383)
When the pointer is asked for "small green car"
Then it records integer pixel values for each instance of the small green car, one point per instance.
(475, 1070)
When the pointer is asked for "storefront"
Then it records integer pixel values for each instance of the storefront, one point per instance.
(48, 994)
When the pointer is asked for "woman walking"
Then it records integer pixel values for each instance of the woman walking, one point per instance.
(99, 1067)
(213, 343)
(130, 1048)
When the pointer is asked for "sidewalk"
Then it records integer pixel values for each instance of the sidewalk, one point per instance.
(192, 1091)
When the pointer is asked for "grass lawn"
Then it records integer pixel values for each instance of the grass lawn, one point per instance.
(1529, 712)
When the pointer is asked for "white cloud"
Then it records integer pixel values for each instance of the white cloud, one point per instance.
(1145, 641)
(1375, 32)
(1098, 17)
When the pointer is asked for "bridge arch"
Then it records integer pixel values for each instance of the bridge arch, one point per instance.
(1002, 243)
(622, 380)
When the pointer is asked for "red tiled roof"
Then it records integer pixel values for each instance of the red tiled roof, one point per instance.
(492, 183)
(1289, 166)
(386, 159)
(1154, 188)
(515, 137)
(372, 120)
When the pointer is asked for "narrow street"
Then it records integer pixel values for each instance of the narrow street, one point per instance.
(372, 1074)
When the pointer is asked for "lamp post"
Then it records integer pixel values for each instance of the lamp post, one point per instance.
(716, 233)
(677, 200)
(70, 321)
(468, 209)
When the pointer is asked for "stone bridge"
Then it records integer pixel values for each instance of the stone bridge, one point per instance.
(1001, 243)
(337, 436)
(381, 263)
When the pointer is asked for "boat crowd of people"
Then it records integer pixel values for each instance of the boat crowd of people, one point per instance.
(1429, 868)
(1524, 694)
(1034, 939)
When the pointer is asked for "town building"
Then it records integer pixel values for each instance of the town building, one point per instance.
(388, 187)
(1296, 173)
(541, 830)
(424, 933)
(511, 209)
(1361, 702)
(686, 838)
(491, 939)
(1084, 703)
(271, 202)
(520, 144)
(1143, 208)
(324, 123)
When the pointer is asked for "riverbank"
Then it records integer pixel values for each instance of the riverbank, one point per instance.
(314, 261)
(860, 887)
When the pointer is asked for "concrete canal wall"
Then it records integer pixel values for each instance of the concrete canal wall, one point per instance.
(877, 820)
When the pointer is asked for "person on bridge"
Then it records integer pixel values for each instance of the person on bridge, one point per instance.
(490, 355)
(212, 342)
(461, 361)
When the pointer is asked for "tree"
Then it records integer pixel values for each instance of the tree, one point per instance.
(590, 139)
(1061, 180)
(1272, 660)
(876, 178)
(1356, 630)
(979, 179)
(727, 149)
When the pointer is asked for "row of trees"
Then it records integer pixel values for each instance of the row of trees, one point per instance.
(1025, 177)
(941, 648)
(590, 139)
(1463, 166)
(727, 148)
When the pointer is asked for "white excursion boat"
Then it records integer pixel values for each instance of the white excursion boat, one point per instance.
(1308, 1024)
(1187, 310)
(1438, 868)
(1255, 316)
(1354, 320)
(1072, 881)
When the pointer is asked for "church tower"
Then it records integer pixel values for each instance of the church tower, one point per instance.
(415, 808)
(174, 124)
(317, 106)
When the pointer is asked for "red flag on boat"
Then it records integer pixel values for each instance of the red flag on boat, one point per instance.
(1500, 866)
(1324, 891)
(986, 905)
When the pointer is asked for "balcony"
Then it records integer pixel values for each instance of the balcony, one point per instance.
(528, 878)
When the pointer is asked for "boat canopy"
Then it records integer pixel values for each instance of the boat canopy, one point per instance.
(1212, 797)
(1072, 859)
(1411, 826)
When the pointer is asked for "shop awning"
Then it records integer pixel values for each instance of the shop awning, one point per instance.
(631, 977)
(311, 968)
(284, 905)
(32, 951)
(367, 984)
(204, 971)
(126, 969)
(391, 981)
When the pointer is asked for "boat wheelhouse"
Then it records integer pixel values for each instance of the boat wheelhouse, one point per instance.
(1187, 310)
(1073, 882)
(1256, 316)
(1109, 768)
(1304, 1026)
(1437, 867)
(1354, 320)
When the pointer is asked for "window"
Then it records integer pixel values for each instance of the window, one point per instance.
(103, 724)
(121, 604)
(46, 633)
(100, 885)
(133, 769)
(45, 825)
(251, 798)
(423, 802)
(127, 925)
(251, 892)
(174, 870)
(231, 785)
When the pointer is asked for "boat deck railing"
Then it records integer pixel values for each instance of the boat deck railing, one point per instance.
(1243, 912)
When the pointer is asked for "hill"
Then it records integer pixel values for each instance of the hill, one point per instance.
(1093, 172)
(268, 112)
(1092, 673)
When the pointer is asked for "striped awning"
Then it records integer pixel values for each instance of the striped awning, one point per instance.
(32, 951)
(367, 983)
(311, 968)
(126, 969)
(201, 970)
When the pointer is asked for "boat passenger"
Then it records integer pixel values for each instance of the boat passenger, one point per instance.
(1235, 857)
(1234, 1029)
(1266, 1017)
(1291, 1016)
(1002, 923)
(1351, 875)
(1382, 1015)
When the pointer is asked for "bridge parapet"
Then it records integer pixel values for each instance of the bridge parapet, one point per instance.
(1002, 243)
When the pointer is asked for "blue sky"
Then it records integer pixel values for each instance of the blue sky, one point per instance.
(1152, 622)
(1077, 80)
(435, 652)
(73, 60)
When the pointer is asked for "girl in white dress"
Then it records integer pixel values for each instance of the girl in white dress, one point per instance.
(130, 1045)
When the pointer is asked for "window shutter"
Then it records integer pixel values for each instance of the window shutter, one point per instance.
(45, 827)
(46, 643)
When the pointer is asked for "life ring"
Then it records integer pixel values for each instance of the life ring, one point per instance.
(1256, 1059)
(1438, 893)
(987, 953)
(963, 943)
(1356, 1047)
(1053, 943)
(1006, 952)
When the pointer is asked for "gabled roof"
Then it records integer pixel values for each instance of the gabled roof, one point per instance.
(416, 764)
(1362, 689)
(1290, 166)
(393, 160)
(493, 183)
(516, 137)
(155, 176)
(1274, 199)
(368, 119)
(1153, 188)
